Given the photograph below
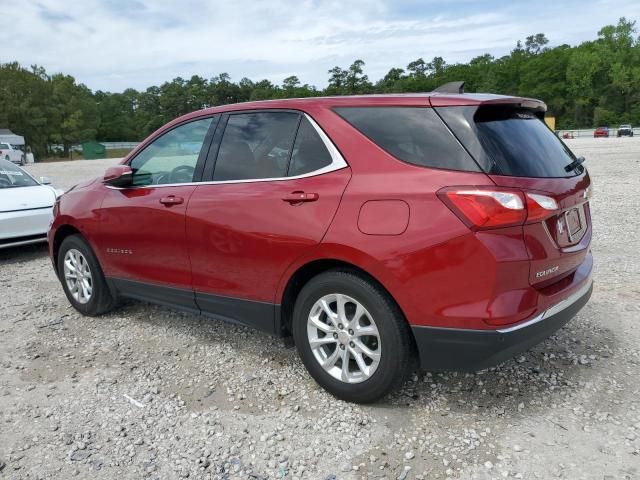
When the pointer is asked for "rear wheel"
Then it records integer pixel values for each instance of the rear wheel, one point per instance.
(351, 336)
(82, 278)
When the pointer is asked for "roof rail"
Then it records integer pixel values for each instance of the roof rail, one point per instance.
(451, 87)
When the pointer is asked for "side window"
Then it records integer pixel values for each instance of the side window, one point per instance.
(309, 151)
(412, 134)
(172, 157)
(256, 145)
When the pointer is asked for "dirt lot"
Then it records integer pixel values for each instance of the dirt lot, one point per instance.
(145, 392)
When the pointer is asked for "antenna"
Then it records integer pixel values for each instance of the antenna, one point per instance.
(451, 87)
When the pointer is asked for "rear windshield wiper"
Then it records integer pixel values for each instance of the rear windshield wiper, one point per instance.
(573, 165)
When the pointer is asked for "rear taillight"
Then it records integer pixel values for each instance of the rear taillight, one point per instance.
(540, 207)
(483, 208)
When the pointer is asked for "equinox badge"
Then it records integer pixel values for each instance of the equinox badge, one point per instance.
(547, 272)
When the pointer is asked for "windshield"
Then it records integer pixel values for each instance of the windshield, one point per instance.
(12, 176)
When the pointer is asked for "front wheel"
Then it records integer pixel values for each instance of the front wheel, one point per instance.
(82, 278)
(351, 336)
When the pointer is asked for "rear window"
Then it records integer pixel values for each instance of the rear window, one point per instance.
(510, 141)
(412, 134)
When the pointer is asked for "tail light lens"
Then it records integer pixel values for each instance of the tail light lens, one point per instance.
(486, 208)
(540, 207)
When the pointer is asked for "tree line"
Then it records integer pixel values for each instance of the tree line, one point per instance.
(594, 83)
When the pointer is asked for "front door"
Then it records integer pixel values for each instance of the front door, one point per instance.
(142, 237)
(277, 183)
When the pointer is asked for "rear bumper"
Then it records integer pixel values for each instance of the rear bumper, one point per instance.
(472, 350)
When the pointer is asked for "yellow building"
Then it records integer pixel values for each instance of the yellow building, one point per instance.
(551, 122)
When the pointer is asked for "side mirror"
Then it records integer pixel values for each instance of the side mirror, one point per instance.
(45, 180)
(118, 176)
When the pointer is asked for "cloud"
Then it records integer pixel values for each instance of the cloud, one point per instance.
(115, 44)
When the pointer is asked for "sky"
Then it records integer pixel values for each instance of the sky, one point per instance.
(112, 45)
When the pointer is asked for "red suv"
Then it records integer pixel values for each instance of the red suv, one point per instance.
(371, 230)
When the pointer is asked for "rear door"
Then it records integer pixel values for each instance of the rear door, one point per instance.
(517, 150)
(276, 182)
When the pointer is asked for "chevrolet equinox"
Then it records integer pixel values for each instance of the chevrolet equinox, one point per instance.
(449, 228)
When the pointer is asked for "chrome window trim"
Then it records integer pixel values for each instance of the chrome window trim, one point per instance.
(557, 308)
(337, 163)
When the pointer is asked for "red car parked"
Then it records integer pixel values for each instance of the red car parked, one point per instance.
(601, 132)
(452, 228)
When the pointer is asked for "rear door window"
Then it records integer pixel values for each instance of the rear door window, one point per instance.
(256, 145)
(511, 141)
(412, 134)
(309, 151)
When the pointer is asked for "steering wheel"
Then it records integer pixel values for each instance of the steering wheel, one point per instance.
(182, 174)
(4, 182)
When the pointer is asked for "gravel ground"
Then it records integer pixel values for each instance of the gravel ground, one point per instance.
(145, 392)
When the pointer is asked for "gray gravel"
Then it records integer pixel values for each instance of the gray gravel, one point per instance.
(145, 392)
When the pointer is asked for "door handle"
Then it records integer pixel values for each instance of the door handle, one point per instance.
(171, 200)
(300, 197)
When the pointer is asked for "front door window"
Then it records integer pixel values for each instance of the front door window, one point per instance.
(172, 157)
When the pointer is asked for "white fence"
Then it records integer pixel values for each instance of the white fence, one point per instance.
(114, 145)
(107, 145)
(588, 132)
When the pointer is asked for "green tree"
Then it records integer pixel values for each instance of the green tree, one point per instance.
(76, 118)
(534, 44)
(418, 68)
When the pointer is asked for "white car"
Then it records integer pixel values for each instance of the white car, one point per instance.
(26, 206)
(7, 152)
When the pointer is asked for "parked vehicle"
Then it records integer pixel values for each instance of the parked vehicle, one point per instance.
(625, 131)
(11, 154)
(26, 206)
(601, 132)
(368, 229)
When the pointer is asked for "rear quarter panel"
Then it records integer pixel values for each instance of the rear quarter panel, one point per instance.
(438, 271)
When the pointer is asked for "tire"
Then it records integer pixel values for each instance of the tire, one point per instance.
(23, 161)
(7, 158)
(393, 342)
(100, 300)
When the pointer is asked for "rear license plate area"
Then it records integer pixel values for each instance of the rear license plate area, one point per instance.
(573, 223)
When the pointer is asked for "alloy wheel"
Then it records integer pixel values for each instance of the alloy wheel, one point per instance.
(77, 275)
(344, 338)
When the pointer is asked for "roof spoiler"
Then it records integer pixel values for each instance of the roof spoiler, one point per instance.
(451, 87)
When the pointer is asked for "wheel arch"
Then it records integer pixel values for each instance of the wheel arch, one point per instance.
(305, 272)
(62, 232)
